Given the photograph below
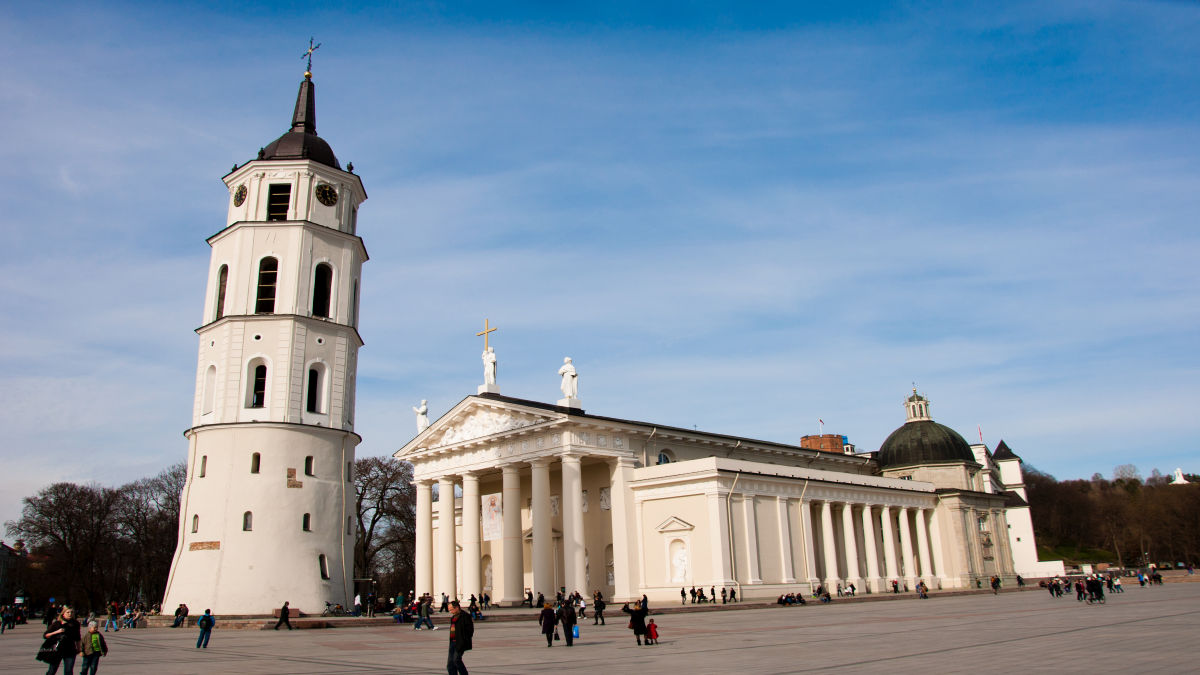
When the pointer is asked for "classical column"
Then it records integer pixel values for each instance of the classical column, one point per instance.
(785, 542)
(717, 515)
(889, 547)
(512, 585)
(852, 571)
(446, 554)
(575, 578)
(810, 549)
(753, 574)
(935, 535)
(872, 553)
(543, 543)
(626, 574)
(423, 565)
(923, 545)
(472, 577)
(831, 568)
(906, 547)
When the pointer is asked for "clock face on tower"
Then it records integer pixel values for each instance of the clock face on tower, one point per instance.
(239, 195)
(326, 194)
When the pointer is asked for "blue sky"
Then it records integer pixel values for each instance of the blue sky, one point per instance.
(739, 220)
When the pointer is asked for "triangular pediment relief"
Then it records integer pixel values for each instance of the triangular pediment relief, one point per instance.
(479, 422)
(674, 524)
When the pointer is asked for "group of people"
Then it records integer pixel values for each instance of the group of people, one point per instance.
(10, 616)
(699, 598)
(1090, 587)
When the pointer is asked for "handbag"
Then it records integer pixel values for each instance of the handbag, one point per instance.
(556, 637)
(48, 653)
(575, 631)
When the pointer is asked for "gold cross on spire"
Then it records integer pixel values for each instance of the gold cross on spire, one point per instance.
(484, 333)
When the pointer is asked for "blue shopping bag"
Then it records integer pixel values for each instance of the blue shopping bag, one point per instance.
(575, 631)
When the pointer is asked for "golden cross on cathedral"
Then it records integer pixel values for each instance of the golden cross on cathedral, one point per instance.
(484, 333)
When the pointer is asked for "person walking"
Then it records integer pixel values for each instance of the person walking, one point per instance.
(547, 620)
(598, 614)
(94, 647)
(462, 628)
(651, 632)
(637, 620)
(724, 594)
(64, 631)
(112, 619)
(683, 596)
(284, 613)
(566, 616)
(425, 614)
(205, 624)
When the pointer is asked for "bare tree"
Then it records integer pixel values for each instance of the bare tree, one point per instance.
(75, 526)
(385, 505)
(148, 516)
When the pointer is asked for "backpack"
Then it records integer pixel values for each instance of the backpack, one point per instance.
(205, 621)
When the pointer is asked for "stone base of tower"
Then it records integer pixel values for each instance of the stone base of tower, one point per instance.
(266, 517)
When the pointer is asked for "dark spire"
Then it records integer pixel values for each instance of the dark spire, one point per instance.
(304, 119)
(301, 141)
(1004, 452)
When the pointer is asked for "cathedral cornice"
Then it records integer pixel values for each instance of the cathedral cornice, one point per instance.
(264, 424)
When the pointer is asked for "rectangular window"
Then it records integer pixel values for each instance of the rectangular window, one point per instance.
(203, 465)
(308, 466)
(279, 198)
(258, 395)
(268, 276)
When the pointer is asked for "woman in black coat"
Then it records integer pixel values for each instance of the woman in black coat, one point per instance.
(548, 620)
(65, 630)
(637, 620)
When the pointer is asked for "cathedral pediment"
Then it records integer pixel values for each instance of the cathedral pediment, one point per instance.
(674, 524)
(473, 419)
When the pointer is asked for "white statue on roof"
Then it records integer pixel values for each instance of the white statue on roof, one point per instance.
(570, 379)
(489, 366)
(422, 416)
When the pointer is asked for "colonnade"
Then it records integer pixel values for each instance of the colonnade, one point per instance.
(898, 542)
(510, 585)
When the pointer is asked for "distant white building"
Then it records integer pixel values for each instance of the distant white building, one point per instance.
(267, 512)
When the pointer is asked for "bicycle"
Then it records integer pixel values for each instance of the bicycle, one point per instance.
(333, 610)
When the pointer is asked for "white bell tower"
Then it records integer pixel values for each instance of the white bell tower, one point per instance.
(267, 509)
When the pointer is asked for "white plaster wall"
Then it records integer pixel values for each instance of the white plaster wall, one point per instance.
(254, 572)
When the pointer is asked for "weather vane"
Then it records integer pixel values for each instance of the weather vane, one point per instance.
(308, 55)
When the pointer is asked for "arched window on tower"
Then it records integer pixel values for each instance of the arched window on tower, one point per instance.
(324, 566)
(316, 389)
(247, 521)
(210, 390)
(256, 394)
(222, 282)
(322, 290)
(195, 524)
(255, 462)
(306, 522)
(203, 465)
(308, 465)
(268, 276)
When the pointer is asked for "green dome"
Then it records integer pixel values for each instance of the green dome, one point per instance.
(923, 442)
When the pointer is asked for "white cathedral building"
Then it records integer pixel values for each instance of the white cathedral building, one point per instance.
(556, 498)
(267, 509)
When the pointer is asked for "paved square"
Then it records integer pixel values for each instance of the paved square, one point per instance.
(1142, 630)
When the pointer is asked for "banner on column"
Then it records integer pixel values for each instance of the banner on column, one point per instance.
(493, 517)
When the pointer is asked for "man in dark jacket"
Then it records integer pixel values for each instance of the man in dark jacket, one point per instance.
(566, 616)
(284, 614)
(461, 630)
